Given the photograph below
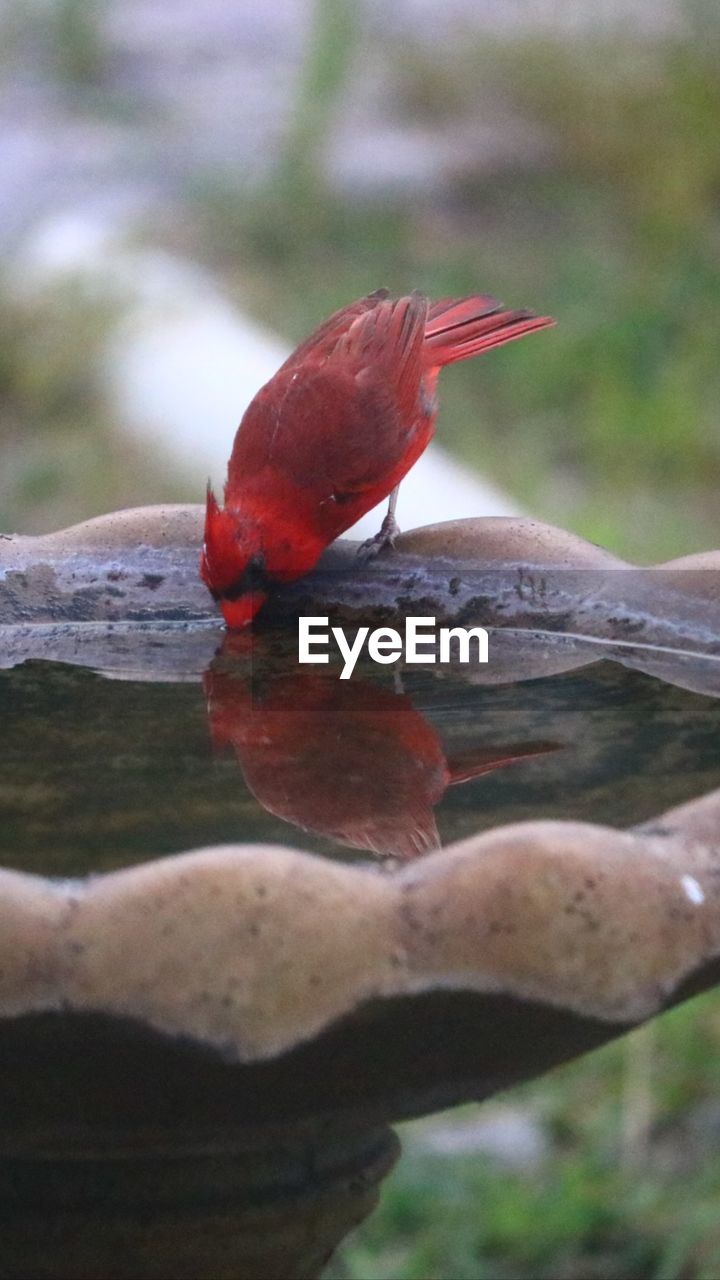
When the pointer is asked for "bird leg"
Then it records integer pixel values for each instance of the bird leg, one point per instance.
(387, 533)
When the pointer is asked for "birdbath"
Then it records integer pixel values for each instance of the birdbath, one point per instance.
(253, 915)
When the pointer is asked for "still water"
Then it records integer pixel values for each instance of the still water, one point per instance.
(98, 773)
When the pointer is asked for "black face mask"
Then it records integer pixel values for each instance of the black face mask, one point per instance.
(253, 578)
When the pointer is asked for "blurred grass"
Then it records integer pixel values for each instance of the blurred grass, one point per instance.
(67, 40)
(586, 1211)
(64, 457)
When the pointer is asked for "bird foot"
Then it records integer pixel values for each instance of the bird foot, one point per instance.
(385, 537)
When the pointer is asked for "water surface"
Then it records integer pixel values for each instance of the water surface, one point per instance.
(98, 773)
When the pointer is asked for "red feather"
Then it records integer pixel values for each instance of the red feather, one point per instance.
(334, 432)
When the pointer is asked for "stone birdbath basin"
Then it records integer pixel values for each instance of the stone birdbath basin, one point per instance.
(252, 915)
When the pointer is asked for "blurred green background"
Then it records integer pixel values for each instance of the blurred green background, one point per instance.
(597, 200)
(608, 1171)
(603, 209)
(610, 424)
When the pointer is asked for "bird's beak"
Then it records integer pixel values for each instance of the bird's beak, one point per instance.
(240, 613)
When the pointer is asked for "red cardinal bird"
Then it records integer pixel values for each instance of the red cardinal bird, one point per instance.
(353, 762)
(334, 432)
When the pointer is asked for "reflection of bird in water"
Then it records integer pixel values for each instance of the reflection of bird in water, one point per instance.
(348, 760)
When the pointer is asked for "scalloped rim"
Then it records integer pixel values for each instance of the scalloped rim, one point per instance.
(254, 949)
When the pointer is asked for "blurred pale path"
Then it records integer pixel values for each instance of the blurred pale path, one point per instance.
(183, 363)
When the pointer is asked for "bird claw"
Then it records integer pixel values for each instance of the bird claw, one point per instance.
(385, 537)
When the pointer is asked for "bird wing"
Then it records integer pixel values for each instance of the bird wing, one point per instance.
(384, 346)
(338, 427)
(321, 342)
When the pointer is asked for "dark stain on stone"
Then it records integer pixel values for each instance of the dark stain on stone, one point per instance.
(152, 580)
(419, 604)
(475, 610)
(626, 626)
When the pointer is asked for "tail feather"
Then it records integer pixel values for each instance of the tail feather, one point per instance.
(447, 312)
(473, 764)
(458, 328)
